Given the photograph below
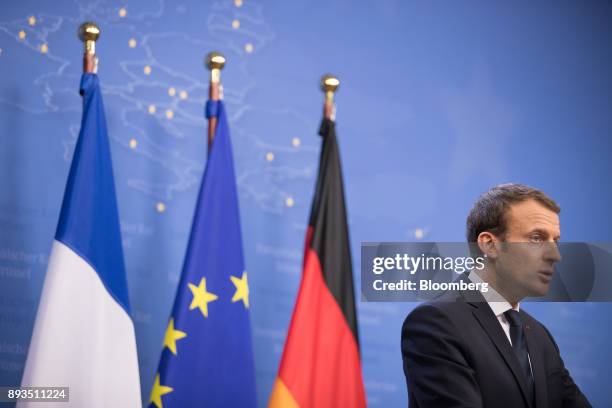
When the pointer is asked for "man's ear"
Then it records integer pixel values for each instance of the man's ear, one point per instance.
(488, 244)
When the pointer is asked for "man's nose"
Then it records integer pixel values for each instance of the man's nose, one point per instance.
(552, 253)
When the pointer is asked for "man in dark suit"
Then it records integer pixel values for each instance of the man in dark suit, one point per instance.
(473, 349)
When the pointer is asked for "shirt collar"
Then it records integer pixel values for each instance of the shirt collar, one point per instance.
(496, 302)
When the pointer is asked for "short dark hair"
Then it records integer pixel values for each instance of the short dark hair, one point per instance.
(489, 211)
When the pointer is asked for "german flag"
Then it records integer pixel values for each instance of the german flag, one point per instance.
(321, 366)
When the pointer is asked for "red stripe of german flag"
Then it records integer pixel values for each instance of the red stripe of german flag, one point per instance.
(321, 366)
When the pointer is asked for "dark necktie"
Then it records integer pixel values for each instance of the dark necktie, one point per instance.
(517, 335)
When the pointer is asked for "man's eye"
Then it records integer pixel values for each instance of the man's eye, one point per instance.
(536, 238)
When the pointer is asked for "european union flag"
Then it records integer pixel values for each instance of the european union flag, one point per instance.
(207, 358)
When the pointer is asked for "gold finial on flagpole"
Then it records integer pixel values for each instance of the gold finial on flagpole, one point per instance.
(89, 32)
(214, 61)
(329, 85)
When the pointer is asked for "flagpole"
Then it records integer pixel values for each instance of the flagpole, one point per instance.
(89, 33)
(215, 61)
(329, 85)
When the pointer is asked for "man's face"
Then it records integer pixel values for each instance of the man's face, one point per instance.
(525, 263)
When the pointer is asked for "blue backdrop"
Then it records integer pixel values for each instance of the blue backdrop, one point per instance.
(438, 102)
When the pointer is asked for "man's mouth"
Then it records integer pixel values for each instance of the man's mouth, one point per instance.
(546, 275)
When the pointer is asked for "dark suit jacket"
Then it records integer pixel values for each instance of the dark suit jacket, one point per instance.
(456, 354)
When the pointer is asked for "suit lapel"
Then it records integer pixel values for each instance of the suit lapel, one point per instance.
(491, 326)
(537, 365)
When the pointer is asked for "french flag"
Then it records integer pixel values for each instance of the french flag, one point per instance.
(83, 335)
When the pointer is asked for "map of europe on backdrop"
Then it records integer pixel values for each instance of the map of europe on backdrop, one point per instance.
(155, 87)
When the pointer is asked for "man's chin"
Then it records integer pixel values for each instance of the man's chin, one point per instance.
(538, 290)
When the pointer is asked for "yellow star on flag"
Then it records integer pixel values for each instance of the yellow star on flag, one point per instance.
(157, 392)
(201, 297)
(172, 336)
(242, 289)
